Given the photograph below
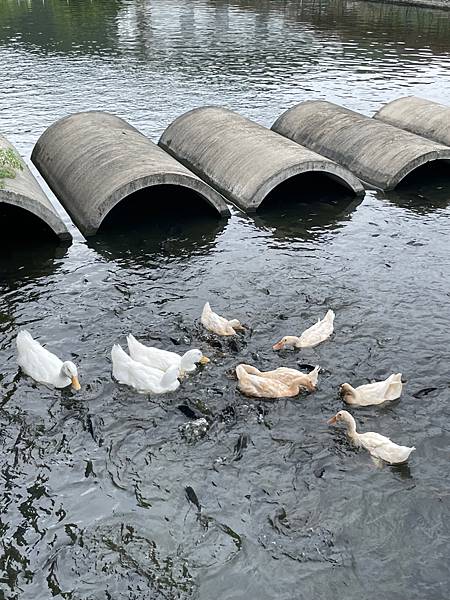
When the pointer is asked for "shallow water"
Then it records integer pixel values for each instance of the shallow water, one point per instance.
(93, 496)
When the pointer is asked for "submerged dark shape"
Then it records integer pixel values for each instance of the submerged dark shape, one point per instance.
(240, 446)
(424, 392)
(191, 496)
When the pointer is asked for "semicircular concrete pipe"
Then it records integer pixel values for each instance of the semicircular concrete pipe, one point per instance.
(379, 154)
(424, 117)
(94, 160)
(243, 160)
(25, 203)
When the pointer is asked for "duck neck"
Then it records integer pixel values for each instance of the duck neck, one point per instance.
(351, 427)
(63, 379)
(186, 364)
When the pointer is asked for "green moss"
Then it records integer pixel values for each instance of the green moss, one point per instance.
(10, 163)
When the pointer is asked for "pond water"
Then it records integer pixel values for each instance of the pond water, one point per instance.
(93, 501)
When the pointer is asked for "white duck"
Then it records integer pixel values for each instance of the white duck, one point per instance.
(373, 393)
(162, 359)
(258, 386)
(42, 365)
(379, 446)
(213, 322)
(287, 375)
(312, 336)
(142, 378)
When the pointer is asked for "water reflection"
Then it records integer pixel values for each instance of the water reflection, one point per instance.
(427, 189)
(141, 26)
(159, 240)
(56, 26)
(21, 263)
(306, 208)
(352, 21)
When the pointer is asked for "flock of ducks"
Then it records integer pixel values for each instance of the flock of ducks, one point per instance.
(152, 370)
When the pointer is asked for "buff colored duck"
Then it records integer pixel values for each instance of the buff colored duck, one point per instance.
(44, 366)
(312, 336)
(142, 378)
(162, 359)
(287, 375)
(373, 393)
(379, 446)
(258, 386)
(217, 324)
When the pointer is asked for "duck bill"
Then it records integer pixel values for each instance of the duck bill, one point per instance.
(278, 346)
(332, 421)
(75, 383)
(204, 360)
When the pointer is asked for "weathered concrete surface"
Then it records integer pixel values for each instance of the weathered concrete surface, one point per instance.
(24, 192)
(93, 160)
(424, 117)
(244, 161)
(378, 153)
(441, 4)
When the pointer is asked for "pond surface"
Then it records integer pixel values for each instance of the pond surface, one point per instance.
(93, 501)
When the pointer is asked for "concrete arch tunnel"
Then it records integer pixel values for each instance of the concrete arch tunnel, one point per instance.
(245, 161)
(25, 208)
(418, 115)
(378, 153)
(93, 161)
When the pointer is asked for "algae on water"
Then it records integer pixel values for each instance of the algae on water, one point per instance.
(10, 163)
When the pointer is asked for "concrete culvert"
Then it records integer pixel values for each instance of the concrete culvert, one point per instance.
(245, 161)
(157, 205)
(306, 187)
(93, 161)
(379, 154)
(25, 211)
(424, 117)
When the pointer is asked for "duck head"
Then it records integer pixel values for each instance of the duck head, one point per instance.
(69, 370)
(191, 358)
(345, 417)
(287, 340)
(347, 392)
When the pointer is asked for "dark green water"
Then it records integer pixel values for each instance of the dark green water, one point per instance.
(92, 492)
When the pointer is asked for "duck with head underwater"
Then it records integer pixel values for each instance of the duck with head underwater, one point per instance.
(44, 366)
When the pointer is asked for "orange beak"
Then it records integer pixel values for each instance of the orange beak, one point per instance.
(75, 383)
(278, 346)
(332, 421)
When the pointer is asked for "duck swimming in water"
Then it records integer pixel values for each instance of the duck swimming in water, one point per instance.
(142, 378)
(287, 375)
(44, 366)
(379, 446)
(162, 359)
(314, 335)
(217, 324)
(260, 386)
(373, 393)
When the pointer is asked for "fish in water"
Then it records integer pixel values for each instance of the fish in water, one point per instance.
(192, 498)
(240, 446)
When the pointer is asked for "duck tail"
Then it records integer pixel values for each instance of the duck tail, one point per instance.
(314, 375)
(132, 343)
(241, 371)
(118, 352)
(330, 315)
(23, 337)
